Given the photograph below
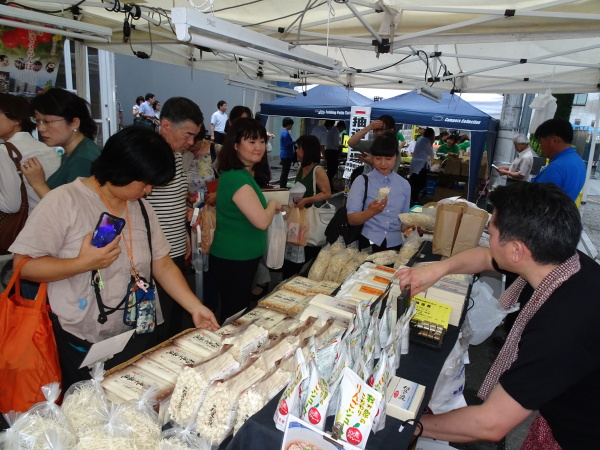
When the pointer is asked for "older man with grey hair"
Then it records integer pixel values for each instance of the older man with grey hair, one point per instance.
(520, 168)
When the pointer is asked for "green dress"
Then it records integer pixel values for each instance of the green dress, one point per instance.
(77, 164)
(308, 182)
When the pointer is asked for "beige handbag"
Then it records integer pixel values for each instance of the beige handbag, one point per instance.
(318, 219)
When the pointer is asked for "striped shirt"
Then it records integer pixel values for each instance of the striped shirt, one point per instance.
(169, 203)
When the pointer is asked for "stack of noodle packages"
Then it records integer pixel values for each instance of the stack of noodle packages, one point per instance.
(257, 396)
(193, 384)
(217, 414)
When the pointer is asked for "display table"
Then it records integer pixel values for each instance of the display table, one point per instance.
(421, 365)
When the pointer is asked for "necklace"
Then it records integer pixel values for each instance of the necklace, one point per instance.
(128, 248)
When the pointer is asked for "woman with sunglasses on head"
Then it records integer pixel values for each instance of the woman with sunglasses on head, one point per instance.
(63, 120)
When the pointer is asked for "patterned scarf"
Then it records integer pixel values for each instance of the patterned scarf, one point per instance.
(540, 436)
(510, 350)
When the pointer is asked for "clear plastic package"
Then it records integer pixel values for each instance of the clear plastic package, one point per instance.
(84, 403)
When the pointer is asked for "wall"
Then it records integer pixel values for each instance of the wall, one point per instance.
(135, 77)
(586, 113)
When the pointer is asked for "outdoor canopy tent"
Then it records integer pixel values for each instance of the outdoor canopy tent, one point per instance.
(451, 112)
(320, 102)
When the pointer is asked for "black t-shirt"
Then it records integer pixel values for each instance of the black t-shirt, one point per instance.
(557, 370)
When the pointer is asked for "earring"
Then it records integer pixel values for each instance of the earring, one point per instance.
(75, 130)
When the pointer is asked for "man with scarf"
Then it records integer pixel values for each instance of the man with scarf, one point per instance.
(551, 359)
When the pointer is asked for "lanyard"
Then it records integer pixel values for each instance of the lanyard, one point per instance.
(129, 249)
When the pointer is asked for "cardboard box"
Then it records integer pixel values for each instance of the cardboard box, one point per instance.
(452, 165)
(464, 167)
(404, 398)
(442, 193)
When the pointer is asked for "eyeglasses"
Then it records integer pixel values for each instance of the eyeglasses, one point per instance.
(38, 122)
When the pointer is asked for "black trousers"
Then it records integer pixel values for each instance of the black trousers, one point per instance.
(173, 313)
(219, 137)
(291, 268)
(418, 182)
(72, 352)
(234, 280)
(286, 163)
(332, 159)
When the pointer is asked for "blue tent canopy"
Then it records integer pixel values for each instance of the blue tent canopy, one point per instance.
(320, 102)
(451, 112)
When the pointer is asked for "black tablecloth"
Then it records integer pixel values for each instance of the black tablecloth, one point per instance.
(421, 365)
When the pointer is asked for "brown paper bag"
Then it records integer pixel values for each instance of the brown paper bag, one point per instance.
(208, 224)
(447, 223)
(297, 227)
(471, 227)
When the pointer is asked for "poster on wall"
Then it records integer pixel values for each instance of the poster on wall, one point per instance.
(29, 60)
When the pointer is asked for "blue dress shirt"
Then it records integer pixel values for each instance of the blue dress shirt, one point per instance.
(385, 225)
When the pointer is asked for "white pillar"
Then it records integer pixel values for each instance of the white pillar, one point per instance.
(108, 99)
(591, 154)
(509, 125)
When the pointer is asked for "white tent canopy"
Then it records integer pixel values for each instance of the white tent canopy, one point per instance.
(500, 46)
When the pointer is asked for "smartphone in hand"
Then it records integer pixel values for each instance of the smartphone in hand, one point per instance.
(108, 228)
(495, 166)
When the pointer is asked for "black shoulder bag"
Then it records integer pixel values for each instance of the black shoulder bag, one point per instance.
(339, 225)
(139, 303)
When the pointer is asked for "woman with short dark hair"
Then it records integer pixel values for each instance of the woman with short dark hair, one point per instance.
(58, 237)
(381, 225)
(63, 120)
(243, 216)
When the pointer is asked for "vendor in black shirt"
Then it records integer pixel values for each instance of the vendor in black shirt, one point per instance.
(551, 359)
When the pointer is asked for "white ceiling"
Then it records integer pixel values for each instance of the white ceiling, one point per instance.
(543, 44)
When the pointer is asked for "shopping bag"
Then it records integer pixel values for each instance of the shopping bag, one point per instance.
(28, 354)
(447, 222)
(449, 388)
(297, 226)
(276, 237)
(471, 227)
(208, 224)
(318, 219)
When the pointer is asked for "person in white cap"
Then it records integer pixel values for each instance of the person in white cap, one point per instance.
(520, 168)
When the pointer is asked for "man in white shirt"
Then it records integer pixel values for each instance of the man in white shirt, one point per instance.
(520, 168)
(217, 123)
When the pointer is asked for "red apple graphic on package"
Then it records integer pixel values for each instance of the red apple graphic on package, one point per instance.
(353, 435)
(314, 416)
(396, 393)
(283, 408)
